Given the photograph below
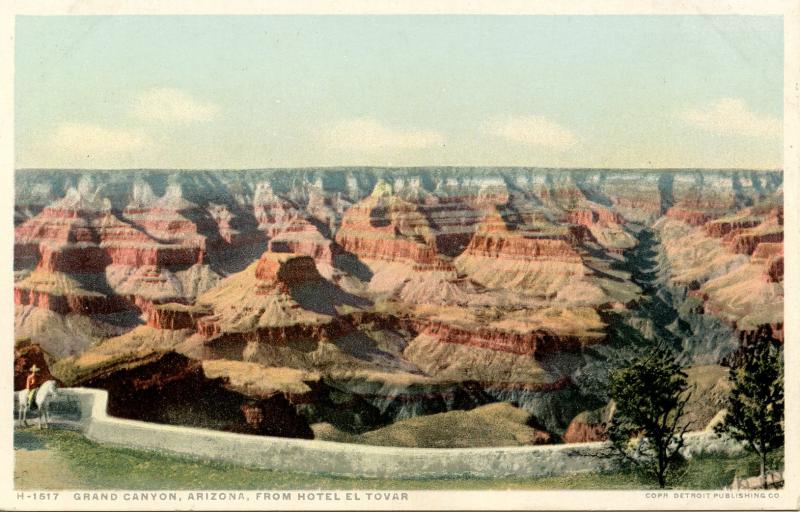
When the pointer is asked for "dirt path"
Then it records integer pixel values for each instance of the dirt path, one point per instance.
(38, 466)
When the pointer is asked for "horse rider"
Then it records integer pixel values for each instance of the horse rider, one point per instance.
(33, 382)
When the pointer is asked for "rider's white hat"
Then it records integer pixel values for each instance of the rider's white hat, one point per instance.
(34, 369)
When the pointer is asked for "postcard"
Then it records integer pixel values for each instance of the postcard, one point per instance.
(368, 256)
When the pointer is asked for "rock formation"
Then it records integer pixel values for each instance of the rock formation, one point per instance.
(363, 297)
(153, 387)
(734, 264)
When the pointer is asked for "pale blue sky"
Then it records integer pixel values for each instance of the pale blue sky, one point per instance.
(286, 91)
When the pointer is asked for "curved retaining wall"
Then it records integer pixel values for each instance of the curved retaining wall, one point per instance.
(324, 457)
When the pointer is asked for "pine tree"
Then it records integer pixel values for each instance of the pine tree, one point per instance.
(755, 404)
(650, 395)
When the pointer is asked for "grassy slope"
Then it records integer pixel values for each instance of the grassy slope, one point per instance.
(498, 424)
(99, 467)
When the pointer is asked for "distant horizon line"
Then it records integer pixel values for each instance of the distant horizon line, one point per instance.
(402, 167)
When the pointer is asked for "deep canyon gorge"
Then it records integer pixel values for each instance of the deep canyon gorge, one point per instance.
(411, 306)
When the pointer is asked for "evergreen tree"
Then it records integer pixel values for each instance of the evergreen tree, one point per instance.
(755, 405)
(650, 395)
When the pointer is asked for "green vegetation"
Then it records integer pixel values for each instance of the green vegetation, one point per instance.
(95, 466)
(755, 404)
(497, 424)
(651, 395)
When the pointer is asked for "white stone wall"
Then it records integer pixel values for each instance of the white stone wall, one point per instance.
(324, 457)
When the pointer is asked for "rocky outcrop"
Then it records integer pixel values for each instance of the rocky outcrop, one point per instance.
(80, 238)
(691, 217)
(734, 265)
(771, 256)
(765, 251)
(234, 226)
(174, 316)
(721, 227)
(80, 241)
(221, 342)
(386, 227)
(638, 198)
(535, 343)
(590, 426)
(232, 345)
(747, 241)
(504, 255)
(454, 218)
(279, 299)
(496, 238)
(209, 326)
(89, 304)
(153, 387)
(273, 213)
(580, 431)
(285, 270)
(154, 255)
(774, 272)
(407, 292)
(289, 227)
(594, 216)
(562, 194)
(405, 251)
(301, 237)
(438, 285)
(521, 247)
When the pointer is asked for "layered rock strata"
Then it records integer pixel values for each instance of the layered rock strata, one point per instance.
(404, 292)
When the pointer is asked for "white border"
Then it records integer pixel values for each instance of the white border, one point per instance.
(463, 500)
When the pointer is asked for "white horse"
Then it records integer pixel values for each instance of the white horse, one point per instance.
(44, 395)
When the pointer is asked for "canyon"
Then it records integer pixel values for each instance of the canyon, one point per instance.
(350, 304)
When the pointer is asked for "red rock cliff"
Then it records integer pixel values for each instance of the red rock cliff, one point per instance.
(285, 270)
(496, 239)
(173, 316)
(383, 227)
(690, 216)
(535, 343)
